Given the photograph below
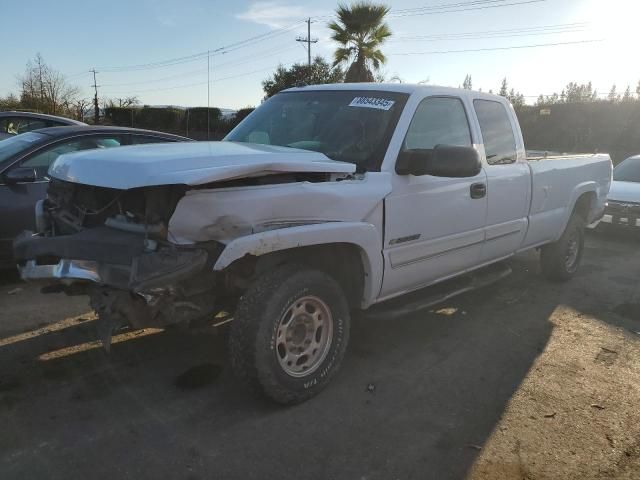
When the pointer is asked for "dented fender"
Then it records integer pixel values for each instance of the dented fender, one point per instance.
(363, 235)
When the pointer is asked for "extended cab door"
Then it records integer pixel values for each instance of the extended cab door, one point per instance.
(508, 179)
(434, 226)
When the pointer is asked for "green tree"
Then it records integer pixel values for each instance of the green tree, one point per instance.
(627, 97)
(504, 88)
(516, 98)
(638, 90)
(360, 29)
(302, 74)
(10, 102)
(613, 95)
(579, 93)
(467, 84)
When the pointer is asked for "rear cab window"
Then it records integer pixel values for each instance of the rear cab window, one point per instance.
(497, 132)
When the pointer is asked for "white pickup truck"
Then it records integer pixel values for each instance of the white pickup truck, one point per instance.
(326, 199)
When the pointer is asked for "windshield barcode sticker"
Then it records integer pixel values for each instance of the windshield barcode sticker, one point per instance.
(372, 102)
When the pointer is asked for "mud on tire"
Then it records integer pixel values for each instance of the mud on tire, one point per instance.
(560, 260)
(289, 333)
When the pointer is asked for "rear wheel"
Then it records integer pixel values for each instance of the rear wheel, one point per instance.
(560, 260)
(289, 333)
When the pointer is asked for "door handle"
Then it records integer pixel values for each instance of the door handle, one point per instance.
(478, 190)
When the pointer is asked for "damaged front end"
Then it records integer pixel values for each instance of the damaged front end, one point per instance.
(113, 245)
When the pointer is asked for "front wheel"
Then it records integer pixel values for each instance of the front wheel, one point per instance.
(289, 333)
(560, 260)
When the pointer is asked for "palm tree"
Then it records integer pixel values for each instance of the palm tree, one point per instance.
(360, 29)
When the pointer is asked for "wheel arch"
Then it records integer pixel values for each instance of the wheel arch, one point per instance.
(585, 204)
(349, 252)
(583, 201)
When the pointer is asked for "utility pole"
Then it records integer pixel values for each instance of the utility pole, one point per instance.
(96, 107)
(308, 40)
(208, 93)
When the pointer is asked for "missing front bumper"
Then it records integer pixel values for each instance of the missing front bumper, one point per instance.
(127, 282)
(65, 271)
(110, 257)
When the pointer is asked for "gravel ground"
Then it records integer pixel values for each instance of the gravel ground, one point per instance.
(524, 379)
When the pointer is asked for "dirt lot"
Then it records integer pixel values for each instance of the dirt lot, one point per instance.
(521, 380)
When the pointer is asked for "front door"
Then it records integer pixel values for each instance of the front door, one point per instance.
(434, 226)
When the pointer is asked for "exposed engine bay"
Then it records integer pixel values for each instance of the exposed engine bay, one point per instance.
(116, 246)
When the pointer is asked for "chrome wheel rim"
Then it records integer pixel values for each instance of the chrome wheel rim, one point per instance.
(573, 248)
(303, 336)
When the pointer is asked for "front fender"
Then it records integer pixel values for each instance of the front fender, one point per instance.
(365, 236)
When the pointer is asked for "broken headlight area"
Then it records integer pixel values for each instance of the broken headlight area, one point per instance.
(112, 245)
(71, 207)
(128, 283)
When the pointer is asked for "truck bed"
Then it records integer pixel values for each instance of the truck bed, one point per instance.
(556, 183)
(536, 155)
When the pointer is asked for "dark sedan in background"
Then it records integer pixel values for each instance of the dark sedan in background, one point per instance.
(25, 161)
(15, 123)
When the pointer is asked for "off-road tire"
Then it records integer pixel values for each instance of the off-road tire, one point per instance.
(253, 336)
(554, 257)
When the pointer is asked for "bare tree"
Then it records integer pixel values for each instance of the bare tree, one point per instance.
(124, 102)
(82, 108)
(45, 89)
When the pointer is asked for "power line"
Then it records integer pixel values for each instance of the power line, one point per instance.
(204, 83)
(447, 8)
(513, 47)
(542, 30)
(198, 72)
(208, 94)
(200, 55)
(459, 7)
(162, 79)
(96, 108)
(308, 40)
(426, 10)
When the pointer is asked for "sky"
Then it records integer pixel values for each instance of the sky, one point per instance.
(129, 43)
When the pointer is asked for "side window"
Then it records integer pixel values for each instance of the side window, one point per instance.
(43, 159)
(9, 125)
(497, 134)
(438, 121)
(140, 140)
(27, 125)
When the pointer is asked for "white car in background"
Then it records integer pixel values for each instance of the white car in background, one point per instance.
(623, 201)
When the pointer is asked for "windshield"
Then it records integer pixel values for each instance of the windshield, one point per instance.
(628, 171)
(351, 126)
(10, 146)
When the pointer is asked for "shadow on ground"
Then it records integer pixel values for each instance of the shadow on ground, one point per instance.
(417, 396)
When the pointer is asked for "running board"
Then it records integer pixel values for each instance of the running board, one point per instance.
(430, 296)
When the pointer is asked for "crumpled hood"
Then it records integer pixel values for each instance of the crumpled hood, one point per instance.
(190, 163)
(624, 192)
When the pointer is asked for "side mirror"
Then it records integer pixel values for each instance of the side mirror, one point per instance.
(20, 175)
(441, 161)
